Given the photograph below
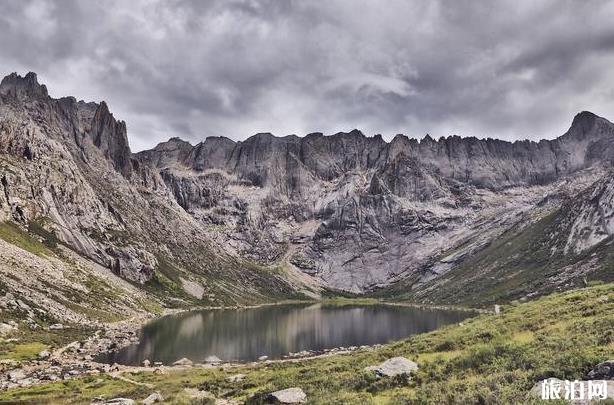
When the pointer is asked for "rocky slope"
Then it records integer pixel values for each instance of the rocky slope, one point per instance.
(70, 181)
(277, 217)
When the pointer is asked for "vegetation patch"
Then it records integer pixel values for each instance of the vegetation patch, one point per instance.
(13, 234)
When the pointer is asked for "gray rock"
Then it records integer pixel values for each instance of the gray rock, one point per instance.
(263, 358)
(44, 354)
(16, 375)
(183, 362)
(213, 360)
(5, 328)
(153, 398)
(292, 395)
(393, 367)
(236, 377)
(146, 363)
(195, 394)
(602, 371)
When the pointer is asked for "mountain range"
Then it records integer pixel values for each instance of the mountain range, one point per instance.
(451, 220)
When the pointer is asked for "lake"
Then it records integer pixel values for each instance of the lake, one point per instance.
(242, 335)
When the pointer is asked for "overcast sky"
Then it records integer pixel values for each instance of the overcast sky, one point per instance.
(511, 70)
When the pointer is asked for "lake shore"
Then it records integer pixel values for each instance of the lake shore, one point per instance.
(564, 335)
(78, 358)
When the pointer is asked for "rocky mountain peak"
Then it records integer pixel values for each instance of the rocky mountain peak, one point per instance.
(582, 124)
(111, 137)
(173, 143)
(21, 88)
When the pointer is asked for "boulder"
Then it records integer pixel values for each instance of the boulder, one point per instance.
(153, 398)
(213, 360)
(393, 367)
(44, 354)
(183, 362)
(146, 363)
(236, 378)
(198, 395)
(263, 358)
(602, 371)
(6, 328)
(292, 395)
(16, 375)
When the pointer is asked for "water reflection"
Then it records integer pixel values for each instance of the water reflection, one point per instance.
(246, 334)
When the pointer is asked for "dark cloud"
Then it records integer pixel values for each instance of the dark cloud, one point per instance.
(236, 67)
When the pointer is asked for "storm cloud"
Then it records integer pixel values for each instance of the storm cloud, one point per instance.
(510, 70)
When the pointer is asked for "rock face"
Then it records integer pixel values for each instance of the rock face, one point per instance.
(357, 213)
(68, 174)
(347, 211)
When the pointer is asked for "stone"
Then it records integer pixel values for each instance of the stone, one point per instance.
(213, 360)
(146, 363)
(16, 375)
(56, 326)
(236, 377)
(44, 354)
(183, 362)
(153, 398)
(263, 358)
(393, 367)
(602, 371)
(292, 395)
(5, 328)
(196, 394)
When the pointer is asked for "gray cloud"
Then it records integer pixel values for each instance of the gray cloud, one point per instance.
(192, 69)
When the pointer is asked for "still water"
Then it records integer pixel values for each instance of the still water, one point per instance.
(274, 331)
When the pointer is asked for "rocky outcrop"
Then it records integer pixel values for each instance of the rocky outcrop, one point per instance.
(14, 86)
(111, 138)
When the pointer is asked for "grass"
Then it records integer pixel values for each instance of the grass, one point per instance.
(13, 234)
(25, 343)
(489, 359)
(20, 351)
(36, 227)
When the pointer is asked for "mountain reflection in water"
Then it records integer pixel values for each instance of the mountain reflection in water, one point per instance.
(246, 334)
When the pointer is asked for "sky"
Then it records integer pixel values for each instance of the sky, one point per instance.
(502, 69)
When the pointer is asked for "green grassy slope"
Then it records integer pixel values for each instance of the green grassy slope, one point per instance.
(486, 359)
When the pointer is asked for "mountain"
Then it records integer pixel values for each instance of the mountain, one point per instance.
(357, 213)
(90, 221)
(448, 220)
